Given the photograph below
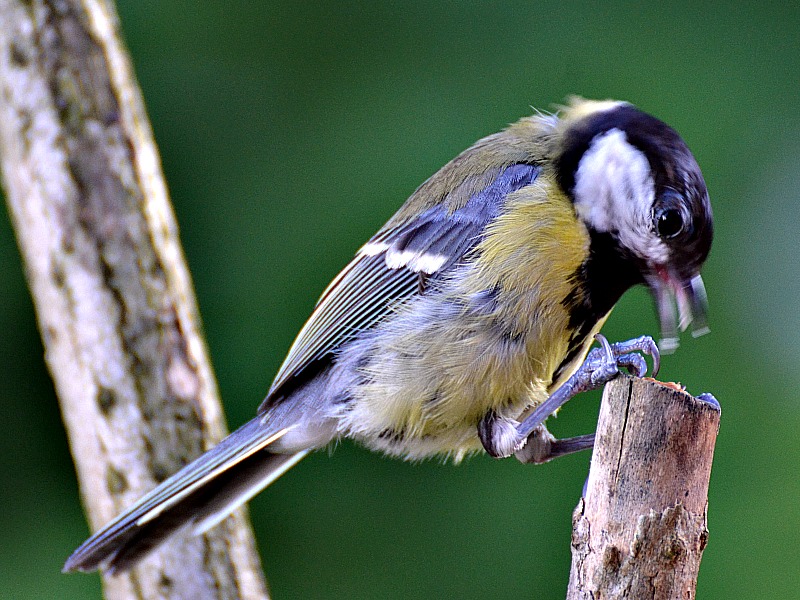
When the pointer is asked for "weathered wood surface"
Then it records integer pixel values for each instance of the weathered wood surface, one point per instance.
(640, 529)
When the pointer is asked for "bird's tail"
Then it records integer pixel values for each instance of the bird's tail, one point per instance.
(198, 496)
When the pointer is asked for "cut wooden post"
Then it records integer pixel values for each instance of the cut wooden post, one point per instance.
(111, 289)
(640, 529)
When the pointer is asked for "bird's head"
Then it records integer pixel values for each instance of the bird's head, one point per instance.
(639, 191)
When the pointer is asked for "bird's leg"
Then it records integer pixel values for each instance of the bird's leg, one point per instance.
(542, 446)
(503, 437)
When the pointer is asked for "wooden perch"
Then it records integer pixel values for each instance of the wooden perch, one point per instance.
(640, 529)
(110, 285)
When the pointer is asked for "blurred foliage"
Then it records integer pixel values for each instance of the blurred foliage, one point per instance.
(290, 131)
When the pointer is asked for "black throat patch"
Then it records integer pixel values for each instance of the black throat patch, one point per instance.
(598, 284)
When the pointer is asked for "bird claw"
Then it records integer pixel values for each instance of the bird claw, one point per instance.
(604, 362)
(644, 344)
(601, 364)
(634, 363)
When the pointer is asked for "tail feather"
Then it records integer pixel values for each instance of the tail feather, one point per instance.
(241, 489)
(198, 496)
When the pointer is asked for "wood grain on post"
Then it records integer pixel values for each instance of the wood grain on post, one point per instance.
(112, 292)
(640, 529)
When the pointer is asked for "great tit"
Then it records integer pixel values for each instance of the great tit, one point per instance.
(464, 322)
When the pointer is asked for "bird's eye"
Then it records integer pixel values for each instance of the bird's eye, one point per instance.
(669, 223)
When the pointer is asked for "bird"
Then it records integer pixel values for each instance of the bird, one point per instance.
(470, 316)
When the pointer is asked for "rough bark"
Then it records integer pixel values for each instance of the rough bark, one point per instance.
(112, 292)
(640, 529)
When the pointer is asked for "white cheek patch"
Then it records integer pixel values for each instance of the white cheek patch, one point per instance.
(614, 192)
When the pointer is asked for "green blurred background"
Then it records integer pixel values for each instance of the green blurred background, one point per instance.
(290, 131)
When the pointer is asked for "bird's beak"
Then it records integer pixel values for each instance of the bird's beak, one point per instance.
(689, 294)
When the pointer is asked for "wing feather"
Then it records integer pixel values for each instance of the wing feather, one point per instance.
(387, 271)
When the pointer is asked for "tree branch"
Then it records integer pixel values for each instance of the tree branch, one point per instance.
(640, 529)
(111, 288)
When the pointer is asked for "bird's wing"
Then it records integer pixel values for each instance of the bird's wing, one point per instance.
(392, 267)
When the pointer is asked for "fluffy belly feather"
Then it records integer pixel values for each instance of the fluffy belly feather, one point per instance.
(430, 373)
